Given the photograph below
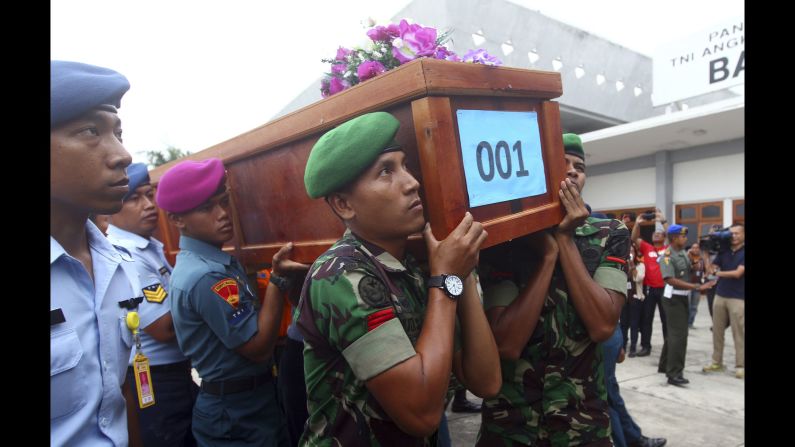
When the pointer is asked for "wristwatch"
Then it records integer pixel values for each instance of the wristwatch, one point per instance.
(281, 282)
(451, 285)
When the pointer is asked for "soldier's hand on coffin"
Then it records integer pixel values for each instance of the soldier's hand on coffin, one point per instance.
(576, 212)
(283, 265)
(458, 254)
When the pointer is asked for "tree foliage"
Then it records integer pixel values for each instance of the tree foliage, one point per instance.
(156, 158)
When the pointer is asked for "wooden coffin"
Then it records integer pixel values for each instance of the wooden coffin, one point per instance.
(266, 165)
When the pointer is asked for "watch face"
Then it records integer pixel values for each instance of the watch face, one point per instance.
(454, 285)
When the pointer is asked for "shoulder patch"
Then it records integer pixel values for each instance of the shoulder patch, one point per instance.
(155, 293)
(227, 289)
(373, 292)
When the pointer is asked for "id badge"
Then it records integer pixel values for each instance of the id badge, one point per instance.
(668, 292)
(143, 381)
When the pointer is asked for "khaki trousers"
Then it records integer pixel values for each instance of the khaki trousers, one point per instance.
(731, 311)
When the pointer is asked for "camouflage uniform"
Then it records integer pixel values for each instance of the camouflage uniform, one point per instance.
(356, 325)
(554, 394)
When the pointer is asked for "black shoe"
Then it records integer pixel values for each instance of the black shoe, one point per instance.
(645, 352)
(649, 442)
(632, 352)
(678, 381)
(465, 406)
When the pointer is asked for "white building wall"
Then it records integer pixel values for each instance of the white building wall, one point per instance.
(627, 189)
(709, 179)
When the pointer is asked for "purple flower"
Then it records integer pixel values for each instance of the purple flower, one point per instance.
(337, 85)
(324, 86)
(384, 33)
(338, 69)
(445, 54)
(414, 41)
(480, 56)
(369, 69)
(342, 53)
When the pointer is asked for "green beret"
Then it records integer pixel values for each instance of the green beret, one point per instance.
(573, 145)
(342, 153)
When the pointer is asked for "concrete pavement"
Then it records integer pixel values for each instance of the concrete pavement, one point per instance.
(710, 411)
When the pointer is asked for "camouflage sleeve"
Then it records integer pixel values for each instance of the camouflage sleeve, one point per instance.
(354, 313)
(500, 294)
(612, 271)
(226, 307)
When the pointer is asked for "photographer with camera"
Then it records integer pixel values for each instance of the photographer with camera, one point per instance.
(710, 245)
(729, 304)
(653, 282)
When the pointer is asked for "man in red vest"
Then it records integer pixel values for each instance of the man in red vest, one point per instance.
(653, 283)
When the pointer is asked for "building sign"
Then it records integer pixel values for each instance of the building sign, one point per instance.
(711, 60)
(502, 155)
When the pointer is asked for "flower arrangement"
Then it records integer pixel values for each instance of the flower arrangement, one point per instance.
(391, 46)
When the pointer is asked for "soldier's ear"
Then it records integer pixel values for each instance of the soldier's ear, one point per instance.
(341, 205)
(177, 220)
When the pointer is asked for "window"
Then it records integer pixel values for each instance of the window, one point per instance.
(738, 215)
(699, 218)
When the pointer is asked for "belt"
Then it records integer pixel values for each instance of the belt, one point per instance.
(681, 292)
(183, 366)
(233, 386)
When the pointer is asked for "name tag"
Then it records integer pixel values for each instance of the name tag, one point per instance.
(501, 152)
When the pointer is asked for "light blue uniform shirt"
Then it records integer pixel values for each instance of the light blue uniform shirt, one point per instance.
(153, 269)
(214, 311)
(89, 351)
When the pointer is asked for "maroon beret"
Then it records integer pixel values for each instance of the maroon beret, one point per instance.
(188, 184)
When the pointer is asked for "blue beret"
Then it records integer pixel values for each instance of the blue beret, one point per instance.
(76, 88)
(677, 229)
(139, 175)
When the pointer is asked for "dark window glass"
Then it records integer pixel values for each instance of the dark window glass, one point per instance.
(739, 210)
(710, 211)
(692, 235)
(687, 212)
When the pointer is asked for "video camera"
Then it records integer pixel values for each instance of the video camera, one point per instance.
(716, 240)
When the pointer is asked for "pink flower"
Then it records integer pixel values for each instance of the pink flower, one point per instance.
(369, 69)
(332, 85)
(342, 53)
(337, 85)
(414, 41)
(384, 33)
(338, 69)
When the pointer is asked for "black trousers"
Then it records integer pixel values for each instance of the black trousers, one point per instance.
(167, 423)
(652, 301)
(630, 322)
(292, 389)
